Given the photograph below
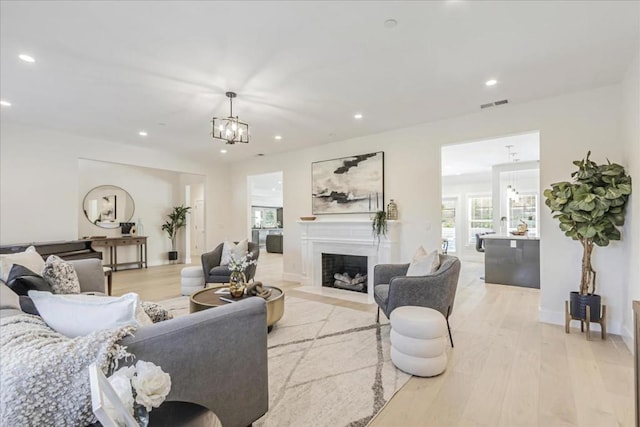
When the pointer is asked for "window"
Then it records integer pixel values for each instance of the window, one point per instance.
(264, 217)
(480, 216)
(524, 209)
(449, 222)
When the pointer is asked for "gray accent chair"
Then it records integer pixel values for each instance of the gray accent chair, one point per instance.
(216, 273)
(393, 289)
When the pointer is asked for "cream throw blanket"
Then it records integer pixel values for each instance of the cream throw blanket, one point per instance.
(44, 376)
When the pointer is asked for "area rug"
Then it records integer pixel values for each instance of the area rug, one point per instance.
(328, 365)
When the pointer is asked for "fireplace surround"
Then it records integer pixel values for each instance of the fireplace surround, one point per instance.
(346, 237)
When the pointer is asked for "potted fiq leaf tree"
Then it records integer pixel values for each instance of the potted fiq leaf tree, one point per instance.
(590, 209)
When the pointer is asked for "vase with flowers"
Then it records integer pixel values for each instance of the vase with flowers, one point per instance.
(237, 279)
(140, 388)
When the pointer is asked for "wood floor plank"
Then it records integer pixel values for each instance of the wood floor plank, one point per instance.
(593, 404)
(556, 404)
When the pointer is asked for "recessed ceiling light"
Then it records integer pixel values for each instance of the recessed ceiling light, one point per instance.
(390, 23)
(491, 82)
(223, 151)
(5, 103)
(26, 58)
(279, 182)
(143, 133)
(357, 116)
(277, 137)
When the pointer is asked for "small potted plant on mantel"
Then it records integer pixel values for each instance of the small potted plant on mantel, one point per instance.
(177, 220)
(590, 209)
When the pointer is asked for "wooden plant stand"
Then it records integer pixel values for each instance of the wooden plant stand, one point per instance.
(603, 321)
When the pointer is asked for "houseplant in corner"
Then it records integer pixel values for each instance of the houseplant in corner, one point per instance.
(590, 209)
(177, 220)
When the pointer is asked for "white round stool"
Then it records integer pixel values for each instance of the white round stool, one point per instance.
(418, 340)
(192, 280)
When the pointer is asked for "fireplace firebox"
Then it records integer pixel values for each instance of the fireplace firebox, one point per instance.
(344, 272)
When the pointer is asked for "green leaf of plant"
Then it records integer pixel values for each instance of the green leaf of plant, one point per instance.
(617, 219)
(612, 193)
(565, 226)
(601, 241)
(625, 189)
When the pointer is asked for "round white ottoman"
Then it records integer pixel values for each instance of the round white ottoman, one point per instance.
(418, 340)
(192, 280)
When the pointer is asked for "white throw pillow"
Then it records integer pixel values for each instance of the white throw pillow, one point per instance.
(238, 251)
(79, 315)
(30, 258)
(424, 263)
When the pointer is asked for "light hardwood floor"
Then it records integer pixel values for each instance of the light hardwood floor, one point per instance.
(507, 369)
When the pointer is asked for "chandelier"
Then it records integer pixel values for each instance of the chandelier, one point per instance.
(230, 129)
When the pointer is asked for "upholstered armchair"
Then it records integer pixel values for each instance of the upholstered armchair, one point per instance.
(216, 273)
(393, 289)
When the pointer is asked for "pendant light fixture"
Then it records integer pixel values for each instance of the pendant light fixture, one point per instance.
(230, 129)
(512, 192)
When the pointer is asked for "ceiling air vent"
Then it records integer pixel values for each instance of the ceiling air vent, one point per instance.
(494, 104)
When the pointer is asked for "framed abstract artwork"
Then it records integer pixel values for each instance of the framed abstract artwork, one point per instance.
(352, 184)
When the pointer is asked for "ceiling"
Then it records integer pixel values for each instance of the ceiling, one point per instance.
(479, 156)
(266, 189)
(108, 69)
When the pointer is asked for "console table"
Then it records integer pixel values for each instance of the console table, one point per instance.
(112, 243)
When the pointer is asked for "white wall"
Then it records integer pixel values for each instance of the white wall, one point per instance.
(569, 125)
(39, 182)
(154, 193)
(631, 160)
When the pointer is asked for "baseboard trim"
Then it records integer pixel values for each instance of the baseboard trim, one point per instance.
(292, 277)
(557, 318)
(627, 337)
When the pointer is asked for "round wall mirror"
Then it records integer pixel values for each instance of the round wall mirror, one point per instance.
(107, 206)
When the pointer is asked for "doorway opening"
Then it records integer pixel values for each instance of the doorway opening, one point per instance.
(266, 215)
(489, 186)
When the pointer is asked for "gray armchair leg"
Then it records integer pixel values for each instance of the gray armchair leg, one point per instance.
(378, 315)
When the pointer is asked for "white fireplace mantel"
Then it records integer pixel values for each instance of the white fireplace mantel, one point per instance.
(347, 237)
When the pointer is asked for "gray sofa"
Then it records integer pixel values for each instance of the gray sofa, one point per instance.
(216, 358)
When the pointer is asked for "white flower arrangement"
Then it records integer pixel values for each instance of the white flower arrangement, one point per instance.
(241, 264)
(144, 384)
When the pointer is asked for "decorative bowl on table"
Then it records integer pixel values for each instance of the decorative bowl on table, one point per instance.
(518, 233)
(307, 218)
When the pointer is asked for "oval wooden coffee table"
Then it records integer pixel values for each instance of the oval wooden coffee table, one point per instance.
(207, 298)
